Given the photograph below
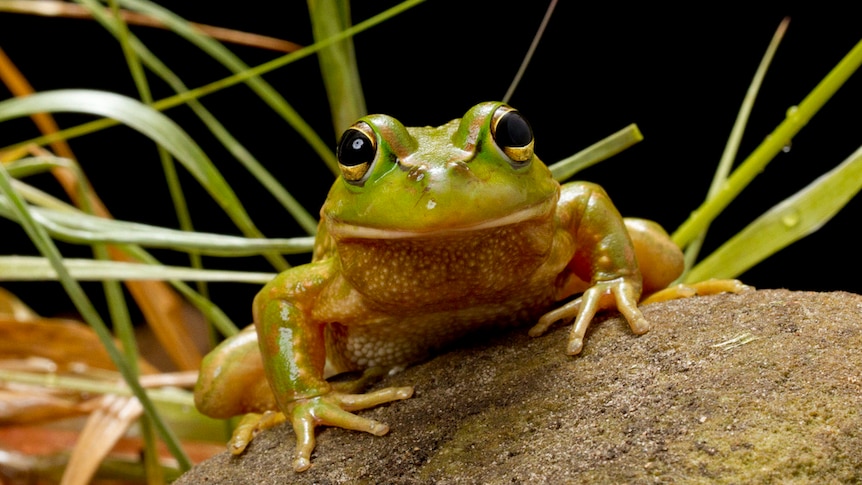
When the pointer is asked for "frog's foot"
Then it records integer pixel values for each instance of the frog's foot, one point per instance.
(708, 287)
(249, 426)
(333, 409)
(620, 293)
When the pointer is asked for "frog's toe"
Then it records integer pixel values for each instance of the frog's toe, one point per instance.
(574, 346)
(249, 426)
(565, 313)
(302, 463)
(243, 433)
(354, 402)
(707, 287)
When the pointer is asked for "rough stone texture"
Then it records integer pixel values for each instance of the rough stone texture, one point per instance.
(760, 387)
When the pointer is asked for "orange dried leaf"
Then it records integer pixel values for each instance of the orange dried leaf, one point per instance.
(105, 426)
(35, 406)
(66, 343)
(12, 307)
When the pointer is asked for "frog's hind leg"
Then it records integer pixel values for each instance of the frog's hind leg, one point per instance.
(659, 259)
(661, 262)
(235, 364)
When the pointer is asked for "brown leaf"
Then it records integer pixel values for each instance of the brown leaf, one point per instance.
(12, 307)
(66, 343)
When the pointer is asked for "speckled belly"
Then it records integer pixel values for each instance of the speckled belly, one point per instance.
(391, 341)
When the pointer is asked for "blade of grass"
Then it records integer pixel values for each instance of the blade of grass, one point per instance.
(792, 219)
(108, 428)
(338, 63)
(597, 152)
(263, 89)
(535, 43)
(732, 146)
(33, 268)
(154, 290)
(170, 395)
(796, 118)
(103, 428)
(229, 60)
(82, 229)
(137, 71)
(68, 224)
(166, 391)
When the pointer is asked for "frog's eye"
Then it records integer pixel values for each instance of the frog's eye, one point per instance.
(356, 151)
(512, 133)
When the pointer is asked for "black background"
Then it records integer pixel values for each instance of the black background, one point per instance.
(679, 74)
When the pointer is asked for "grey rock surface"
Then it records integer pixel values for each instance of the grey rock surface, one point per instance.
(759, 387)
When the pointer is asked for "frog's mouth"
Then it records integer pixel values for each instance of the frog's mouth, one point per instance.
(346, 230)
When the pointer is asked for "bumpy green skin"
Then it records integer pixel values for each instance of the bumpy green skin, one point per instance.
(444, 237)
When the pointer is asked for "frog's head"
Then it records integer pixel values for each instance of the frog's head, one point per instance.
(469, 174)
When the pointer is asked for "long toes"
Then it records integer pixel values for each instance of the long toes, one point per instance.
(355, 402)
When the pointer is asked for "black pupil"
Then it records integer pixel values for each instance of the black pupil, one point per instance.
(355, 149)
(513, 131)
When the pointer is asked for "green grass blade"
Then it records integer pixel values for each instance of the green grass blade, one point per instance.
(79, 228)
(32, 268)
(117, 308)
(338, 62)
(792, 219)
(732, 147)
(796, 118)
(597, 152)
(71, 216)
(25, 167)
(529, 56)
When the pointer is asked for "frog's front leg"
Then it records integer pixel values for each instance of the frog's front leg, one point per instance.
(604, 265)
(292, 344)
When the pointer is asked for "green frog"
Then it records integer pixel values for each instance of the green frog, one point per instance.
(428, 234)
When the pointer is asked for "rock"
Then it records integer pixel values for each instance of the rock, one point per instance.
(762, 386)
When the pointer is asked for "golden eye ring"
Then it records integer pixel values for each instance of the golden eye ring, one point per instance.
(357, 151)
(512, 134)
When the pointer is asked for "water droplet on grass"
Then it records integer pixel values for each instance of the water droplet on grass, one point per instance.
(790, 219)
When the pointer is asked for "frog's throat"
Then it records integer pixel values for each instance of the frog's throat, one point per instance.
(345, 230)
